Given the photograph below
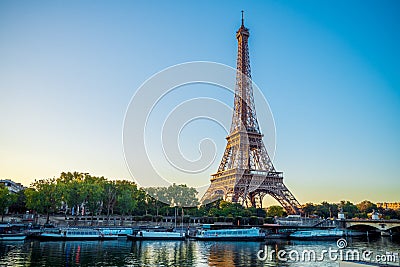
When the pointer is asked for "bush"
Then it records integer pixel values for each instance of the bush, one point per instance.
(137, 218)
(186, 219)
(147, 218)
(220, 219)
(158, 218)
(253, 220)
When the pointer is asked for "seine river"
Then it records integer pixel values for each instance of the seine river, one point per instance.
(187, 253)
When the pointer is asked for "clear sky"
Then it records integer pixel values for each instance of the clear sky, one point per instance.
(330, 71)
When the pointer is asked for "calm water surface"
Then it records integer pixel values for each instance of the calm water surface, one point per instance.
(174, 253)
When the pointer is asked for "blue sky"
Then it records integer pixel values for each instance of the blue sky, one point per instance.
(329, 70)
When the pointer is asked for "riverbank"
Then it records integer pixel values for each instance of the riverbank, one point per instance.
(65, 221)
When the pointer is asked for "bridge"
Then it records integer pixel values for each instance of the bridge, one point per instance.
(380, 225)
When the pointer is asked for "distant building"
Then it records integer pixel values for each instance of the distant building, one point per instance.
(391, 205)
(12, 186)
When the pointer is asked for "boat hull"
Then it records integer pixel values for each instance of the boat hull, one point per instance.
(252, 234)
(230, 238)
(63, 238)
(317, 235)
(277, 236)
(12, 237)
(122, 232)
(156, 236)
(75, 234)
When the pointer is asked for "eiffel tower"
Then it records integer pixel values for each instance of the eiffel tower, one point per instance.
(246, 173)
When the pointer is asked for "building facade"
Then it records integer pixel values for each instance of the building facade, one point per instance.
(12, 186)
(389, 205)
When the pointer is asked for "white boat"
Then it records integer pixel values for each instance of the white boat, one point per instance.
(116, 231)
(156, 235)
(12, 237)
(251, 234)
(12, 232)
(318, 234)
(75, 234)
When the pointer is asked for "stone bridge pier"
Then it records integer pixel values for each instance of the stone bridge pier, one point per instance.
(385, 227)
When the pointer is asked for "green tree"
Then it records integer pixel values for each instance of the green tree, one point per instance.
(110, 198)
(157, 194)
(180, 195)
(6, 199)
(309, 209)
(173, 196)
(93, 188)
(326, 210)
(140, 198)
(72, 190)
(348, 208)
(232, 210)
(390, 214)
(276, 211)
(366, 206)
(127, 197)
(44, 196)
(19, 205)
(33, 200)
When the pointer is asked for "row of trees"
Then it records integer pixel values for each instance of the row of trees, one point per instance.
(80, 193)
(72, 192)
(6, 200)
(330, 210)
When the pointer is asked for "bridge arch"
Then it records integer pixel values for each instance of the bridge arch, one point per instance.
(381, 225)
(363, 227)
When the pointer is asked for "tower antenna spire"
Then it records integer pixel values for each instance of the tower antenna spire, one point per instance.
(246, 173)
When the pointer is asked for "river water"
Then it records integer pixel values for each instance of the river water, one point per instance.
(123, 252)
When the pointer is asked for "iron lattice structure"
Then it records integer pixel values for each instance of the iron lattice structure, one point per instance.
(246, 173)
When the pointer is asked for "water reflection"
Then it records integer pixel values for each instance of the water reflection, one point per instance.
(78, 253)
(233, 253)
(162, 253)
(170, 253)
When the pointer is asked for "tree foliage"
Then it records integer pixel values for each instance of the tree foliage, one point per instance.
(6, 199)
(44, 196)
(348, 208)
(275, 211)
(126, 196)
(99, 195)
(366, 206)
(174, 195)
